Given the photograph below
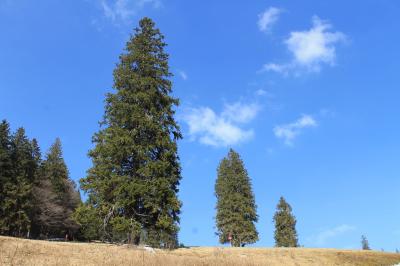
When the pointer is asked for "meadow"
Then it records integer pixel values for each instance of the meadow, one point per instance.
(15, 251)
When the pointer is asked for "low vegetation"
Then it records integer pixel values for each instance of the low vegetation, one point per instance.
(14, 251)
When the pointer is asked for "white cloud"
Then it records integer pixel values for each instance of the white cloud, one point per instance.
(279, 68)
(316, 46)
(323, 237)
(288, 132)
(123, 10)
(310, 49)
(183, 74)
(224, 129)
(239, 112)
(267, 19)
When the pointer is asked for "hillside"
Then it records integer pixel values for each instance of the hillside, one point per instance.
(33, 252)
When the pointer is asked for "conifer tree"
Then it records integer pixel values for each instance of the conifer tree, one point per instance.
(5, 176)
(285, 225)
(36, 155)
(18, 194)
(56, 196)
(364, 243)
(37, 158)
(236, 208)
(91, 224)
(55, 169)
(134, 180)
(18, 164)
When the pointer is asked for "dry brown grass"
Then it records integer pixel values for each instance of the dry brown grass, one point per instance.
(34, 252)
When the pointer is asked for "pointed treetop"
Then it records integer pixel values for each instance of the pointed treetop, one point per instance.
(4, 134)
(55, 151)
(283, 205)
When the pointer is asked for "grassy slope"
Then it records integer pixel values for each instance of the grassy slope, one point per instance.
(15, 251)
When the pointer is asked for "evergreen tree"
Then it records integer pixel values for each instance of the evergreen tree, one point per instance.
(55, 196)
(134, 180)
(18, 164)
(55, 169)
(364, 243)
(5, 176)
(90, 222)
(285, 225)
(37, 158)
(18, 192)
(236, 208)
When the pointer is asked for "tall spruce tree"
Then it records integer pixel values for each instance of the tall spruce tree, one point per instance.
(285, 225)
(236, 208)
(5, 176)
(55, 196)
(134, 180)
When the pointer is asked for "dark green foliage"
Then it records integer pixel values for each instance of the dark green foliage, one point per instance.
(55, 170)
(37, 162)
(19, 162)
(134, 180)
(5, 176)
(36, 198)
(55, 197)
(17, 191)
(364, 243)
(89, 220)
(236, 208)
(285, 226)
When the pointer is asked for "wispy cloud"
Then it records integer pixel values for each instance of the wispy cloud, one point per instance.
(260, 92)
(288, 132)
(239, 112)
(322, 238)
(310, 49)
(279, 68)
(122, 11)
(182, 74)
(268, 18)
(222, 129)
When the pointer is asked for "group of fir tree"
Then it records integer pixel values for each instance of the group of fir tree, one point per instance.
(236, 208)
(133, 184)
(37, 197)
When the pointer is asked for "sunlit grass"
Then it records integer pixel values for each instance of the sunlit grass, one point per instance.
(34, 252)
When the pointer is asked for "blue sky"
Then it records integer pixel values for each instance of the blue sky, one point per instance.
(306, 91)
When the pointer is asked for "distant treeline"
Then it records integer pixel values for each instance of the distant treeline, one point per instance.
(37, 197)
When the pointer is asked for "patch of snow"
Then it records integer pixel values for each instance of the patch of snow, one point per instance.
(149, 249)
